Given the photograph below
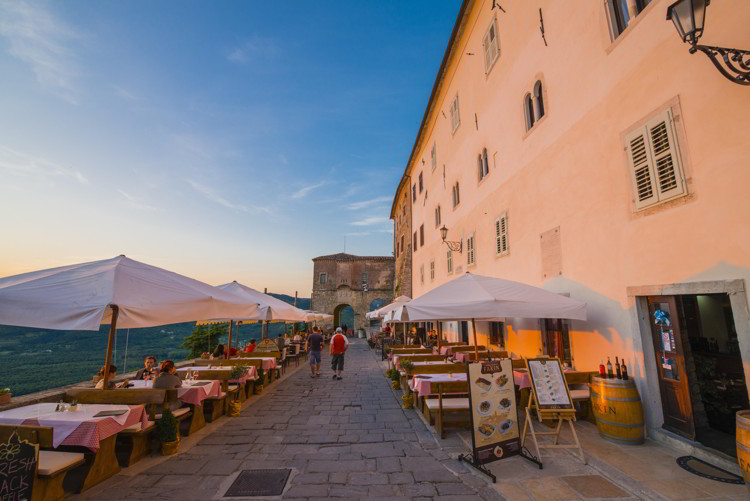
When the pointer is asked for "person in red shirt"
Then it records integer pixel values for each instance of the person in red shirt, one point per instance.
(249, 348)
(336, 348)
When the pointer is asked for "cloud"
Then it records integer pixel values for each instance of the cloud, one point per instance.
(367, 203)
(18, 162)
(39, 40)
(136, 203)
(357, 234)
(302, 192)
(211, 194)
(255, 48)
(370, 221)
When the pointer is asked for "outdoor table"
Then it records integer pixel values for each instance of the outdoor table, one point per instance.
(446, 350)
(190, 393)
(251, 374)
(421, 383)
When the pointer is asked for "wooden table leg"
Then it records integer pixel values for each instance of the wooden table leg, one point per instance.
(197, 420)
(103, 464)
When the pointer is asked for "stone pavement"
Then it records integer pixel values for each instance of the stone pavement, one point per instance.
(346, 439)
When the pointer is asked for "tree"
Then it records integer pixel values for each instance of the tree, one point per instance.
(203, 338)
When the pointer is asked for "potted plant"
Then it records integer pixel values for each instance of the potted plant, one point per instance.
(5, 395)
(258, 385)
(73, 405)
(407, 365)
(235, 406)
(395, 379)
(168, 433)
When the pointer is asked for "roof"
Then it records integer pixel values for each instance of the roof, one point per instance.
(433, 95)
(350, 257)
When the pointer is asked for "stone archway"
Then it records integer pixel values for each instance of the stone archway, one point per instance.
(344, 314)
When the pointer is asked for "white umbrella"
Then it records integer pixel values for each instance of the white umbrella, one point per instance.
(269, 307)
(385, 310)
(118, 290)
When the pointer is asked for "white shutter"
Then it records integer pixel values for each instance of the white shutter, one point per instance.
(501, 234)
(450, 261)
(487, 52)
(470, 257)
(666, 158)
(641, 168)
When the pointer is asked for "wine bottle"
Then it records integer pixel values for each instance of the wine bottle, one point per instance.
(617, 368)
(610, 375)
(602, 370)
(624, 370)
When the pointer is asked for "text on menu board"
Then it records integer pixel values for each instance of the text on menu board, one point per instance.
(550, 387)
(17, 468)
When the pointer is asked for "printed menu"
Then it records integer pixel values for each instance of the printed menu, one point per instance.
(493, 410)
(549, 384)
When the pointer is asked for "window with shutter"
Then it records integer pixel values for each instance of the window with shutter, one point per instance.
(450, 261)
(421, 274)
(654, 162)
(501, 235)
(470, 256)
(421, 183)
(421, 235)
(491, 48)
(415, 241)
(434, 156)
(437, 216)
(432, 270)
(455, 116)
(414, 192)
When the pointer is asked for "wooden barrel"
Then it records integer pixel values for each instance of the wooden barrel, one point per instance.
(618, 410)
(743, 444)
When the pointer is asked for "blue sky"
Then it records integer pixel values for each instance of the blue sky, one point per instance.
(223, 140)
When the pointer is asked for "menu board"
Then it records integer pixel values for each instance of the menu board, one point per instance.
(18, 460)
(494, 418)
(548, 382)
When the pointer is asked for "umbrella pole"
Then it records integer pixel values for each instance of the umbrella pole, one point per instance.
(112, 332)
(474, 330)
(229, 342)
(439, 333)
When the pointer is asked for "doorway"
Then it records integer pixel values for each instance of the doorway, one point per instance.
(701, 376)
(463, 331)
(343, 316)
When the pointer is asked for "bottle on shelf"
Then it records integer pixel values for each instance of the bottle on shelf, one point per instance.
(602, 370)
(610, 375)
(617, 368)
(624, 370)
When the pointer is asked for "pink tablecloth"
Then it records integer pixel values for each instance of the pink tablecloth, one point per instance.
(422, 383)
(446, 350)
(188, 393)
(251, 374)
(77, 428)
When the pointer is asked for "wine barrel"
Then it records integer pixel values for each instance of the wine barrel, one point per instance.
(743, 444)
(618, 410)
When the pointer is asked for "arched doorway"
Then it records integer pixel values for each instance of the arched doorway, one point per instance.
(343, 314)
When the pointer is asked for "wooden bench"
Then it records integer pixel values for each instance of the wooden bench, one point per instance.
(465, 348)
(52, 466)
(267, 354)
(133, 443)
(214, 407)
(446, 368)
(456, 404)
(250, 362)
(484, 355)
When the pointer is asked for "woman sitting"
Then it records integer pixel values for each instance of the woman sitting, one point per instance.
(250, 347)
(112, 374)
(167, 378)
(218, 352)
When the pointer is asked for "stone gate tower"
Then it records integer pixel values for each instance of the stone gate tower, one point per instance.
(341, 280)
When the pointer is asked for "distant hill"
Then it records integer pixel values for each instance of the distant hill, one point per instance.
(303, 303)
(38, 359)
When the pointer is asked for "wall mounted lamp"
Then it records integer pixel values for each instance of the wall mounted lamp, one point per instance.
(454, 246)
(689, 17)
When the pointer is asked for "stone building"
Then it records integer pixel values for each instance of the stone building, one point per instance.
(402, 238)
(362, 282)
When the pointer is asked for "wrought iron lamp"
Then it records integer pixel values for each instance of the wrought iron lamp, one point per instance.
(689, 17)
(454, 246)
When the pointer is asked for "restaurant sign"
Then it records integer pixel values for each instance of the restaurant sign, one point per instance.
(18, 460)
(266, 345)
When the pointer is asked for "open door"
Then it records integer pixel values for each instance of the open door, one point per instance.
(670, 362)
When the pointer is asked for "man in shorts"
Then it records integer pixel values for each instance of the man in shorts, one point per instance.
(316, 343)
(336, 348)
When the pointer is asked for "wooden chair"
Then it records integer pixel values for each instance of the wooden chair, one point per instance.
(133, 443)
(52, 466)
(578, 383)
(518, 363)
(457, 404)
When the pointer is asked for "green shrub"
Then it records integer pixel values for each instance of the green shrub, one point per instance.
(167, 427)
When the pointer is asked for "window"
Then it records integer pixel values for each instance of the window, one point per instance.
(470, 252)
(402, 243)
(654, 162)
(363, 278)
(497, 336)
(484, 167)
(620, 15)
(556, 340)
(432, 270)
(456, 196)
(491, 47)
(421, 274)
(433, 154)
(501, 235)
(437, 216)
(414, 192)
(450, 261)
(415, 241)
(323, 278)
(421, 235)
(421, 183)
(533, 105)
(455, 116)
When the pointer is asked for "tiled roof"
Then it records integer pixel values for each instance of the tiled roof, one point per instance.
(350, 257)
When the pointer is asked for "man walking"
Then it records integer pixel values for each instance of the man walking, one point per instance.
(336, 348)
(315, 341)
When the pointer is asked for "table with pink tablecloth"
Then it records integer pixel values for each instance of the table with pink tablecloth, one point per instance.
(421, 383)
(446, 350)
(190, 393)
(463, 356)
(80, 427)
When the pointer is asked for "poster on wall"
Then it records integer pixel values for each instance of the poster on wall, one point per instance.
(548, 382)
(18, 460)
(494, 418)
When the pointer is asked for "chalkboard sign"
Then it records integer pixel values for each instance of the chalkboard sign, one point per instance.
(18, 459)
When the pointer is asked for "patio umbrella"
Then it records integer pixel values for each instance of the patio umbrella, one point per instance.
(112, 291)
(477, 297)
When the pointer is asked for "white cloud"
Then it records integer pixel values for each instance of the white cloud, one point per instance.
(38, 39)
(18, 162)
(211, 194)
(302, 192)
(358, 234)
(370, 221)
(255, 48)
(367, 203)
(136, 203)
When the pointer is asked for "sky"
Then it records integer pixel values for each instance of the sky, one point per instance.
(231, 140)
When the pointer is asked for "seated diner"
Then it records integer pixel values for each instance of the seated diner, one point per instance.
(167, 378)
(218, 352)
(148, 371)
(250, 347)
(112, 374)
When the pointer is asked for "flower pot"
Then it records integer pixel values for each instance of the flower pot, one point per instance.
(5, 398)
(396, 385)
(258, 389)
(170, 448)
(73, 408)
(235, 407)
(408, 401)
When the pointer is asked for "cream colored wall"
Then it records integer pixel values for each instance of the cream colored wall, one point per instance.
(571, 170)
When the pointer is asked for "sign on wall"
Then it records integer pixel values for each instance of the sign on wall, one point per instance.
(18, 459)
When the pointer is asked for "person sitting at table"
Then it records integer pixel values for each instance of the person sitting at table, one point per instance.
(167, 378)
(297, 337)
(112, 374)
(148, 371)
(250, 347)
(232, 352)
(218, 352)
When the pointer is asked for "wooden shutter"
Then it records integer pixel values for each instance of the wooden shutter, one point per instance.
(450, 261)
(666, 159)
(641, 168)
(470, 257)
(501, 234)
(434, 156)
